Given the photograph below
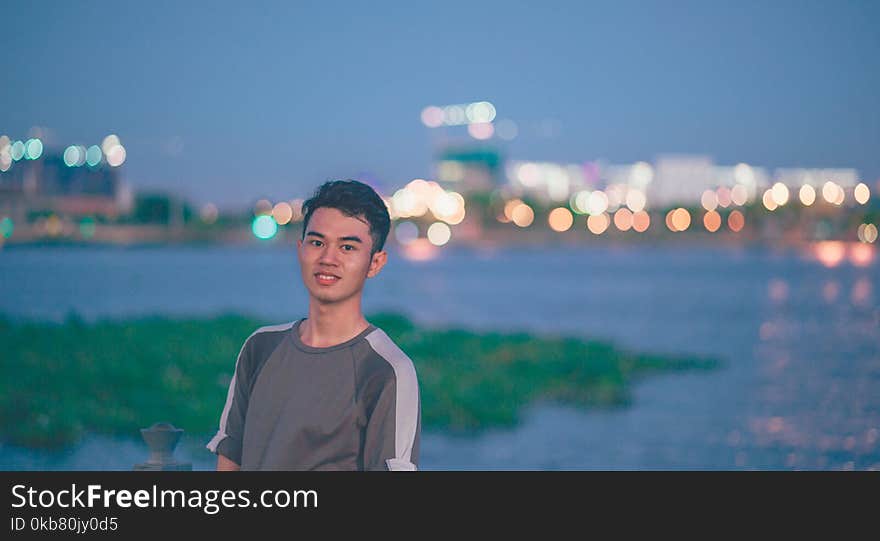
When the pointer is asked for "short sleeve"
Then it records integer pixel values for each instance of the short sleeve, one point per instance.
(394, 425)
(230, 434)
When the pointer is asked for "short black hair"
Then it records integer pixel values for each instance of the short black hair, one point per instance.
(354, 199)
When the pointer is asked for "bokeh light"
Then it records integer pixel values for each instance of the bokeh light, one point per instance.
(832, 193)
(739, 194)
(580, 202)
(109, 142)
(616, 194)
(723, 194)
(209, 213)
(454, 115)
(712, 221)
(263, 207)
(450, 171)
(481, 130)
(736, 221)
(116, 156)
(6, 227)
(432, 116)
(830, 252)
(862, 193)
(33, 149)
(669, 224)
(597, 223)
(641, 174)
(282, 212)
(17, 150)
(623, 219)
(71, 156)
(53, 226)
(509, 206)
(522, 215)
(444, 204)
(480, 112)
(709, 200)
(560, 219)
(264, 227)
(87, 227)
(93, 155)
(439, 233)
(744, 174)
(861, 255)
(807, 195)
(641, 221)
(406, 232)
(867, 233)
(635, 200)
(678, 220)
(597, 203)
(419, 250)
(769, 202)
(5, 153)
(296, 205)
(458, 215)
(779, 192)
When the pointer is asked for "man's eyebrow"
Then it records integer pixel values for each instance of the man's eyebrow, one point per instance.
(350, 238)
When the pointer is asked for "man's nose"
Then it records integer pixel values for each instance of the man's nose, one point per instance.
(328, 256)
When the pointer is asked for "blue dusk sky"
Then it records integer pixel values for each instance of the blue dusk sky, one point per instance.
(231, 101)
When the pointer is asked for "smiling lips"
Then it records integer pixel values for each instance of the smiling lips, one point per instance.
(326, 279)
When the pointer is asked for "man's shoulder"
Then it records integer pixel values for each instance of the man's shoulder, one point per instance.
(383, 351)
(265, 339)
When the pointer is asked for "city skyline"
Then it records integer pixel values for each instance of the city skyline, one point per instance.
(226, 106)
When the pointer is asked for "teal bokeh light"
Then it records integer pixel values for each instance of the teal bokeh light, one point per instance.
(6, 227)
(33, 149)
(17, 150)
(93, 155)
(71, 156)
(87, 227)
(264, 227)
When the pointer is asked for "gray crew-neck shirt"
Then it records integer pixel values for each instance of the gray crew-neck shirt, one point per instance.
(290, 406)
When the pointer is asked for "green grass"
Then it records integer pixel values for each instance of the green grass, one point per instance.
(63, 380)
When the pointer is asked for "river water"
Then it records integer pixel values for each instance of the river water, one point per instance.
(799, 387)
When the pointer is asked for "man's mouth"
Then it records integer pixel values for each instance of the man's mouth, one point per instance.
(326, 279)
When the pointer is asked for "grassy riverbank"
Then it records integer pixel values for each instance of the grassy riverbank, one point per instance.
(63, 380)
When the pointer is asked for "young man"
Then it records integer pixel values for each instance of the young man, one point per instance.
(331, 391)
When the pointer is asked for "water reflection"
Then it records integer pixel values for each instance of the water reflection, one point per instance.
(862, 292)
(818, 373)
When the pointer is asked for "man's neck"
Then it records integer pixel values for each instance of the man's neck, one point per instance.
(329, 325)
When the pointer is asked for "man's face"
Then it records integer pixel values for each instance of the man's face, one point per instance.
(334, 256)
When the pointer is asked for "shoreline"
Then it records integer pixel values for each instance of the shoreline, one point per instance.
(114, 377)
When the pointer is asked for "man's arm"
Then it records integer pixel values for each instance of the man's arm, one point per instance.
(394, 426)
(224, 464)
(227, 443)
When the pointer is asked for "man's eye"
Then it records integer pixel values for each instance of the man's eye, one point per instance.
(316, 243)
(348, 247)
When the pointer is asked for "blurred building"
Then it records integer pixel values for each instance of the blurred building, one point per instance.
(47, 184)
(797, 177)
(671, 180)
(469, 168)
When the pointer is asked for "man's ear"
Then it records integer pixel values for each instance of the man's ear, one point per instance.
(376, 264)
